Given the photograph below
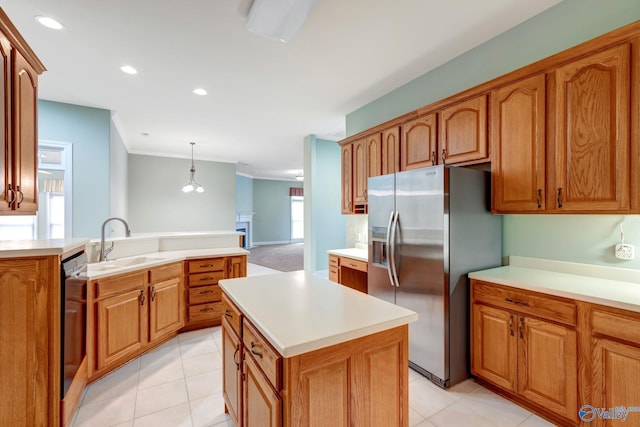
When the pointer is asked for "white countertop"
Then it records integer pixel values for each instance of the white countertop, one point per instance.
(610, 286)
(30, 248)
(153, 259)
(298, 312)
(358, 253)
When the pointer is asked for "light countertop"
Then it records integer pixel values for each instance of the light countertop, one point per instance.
(359, 252)
(298, 312)
(153, 259)
(31, 248)
(610, 286)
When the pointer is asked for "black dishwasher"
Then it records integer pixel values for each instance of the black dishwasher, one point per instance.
(73, 327)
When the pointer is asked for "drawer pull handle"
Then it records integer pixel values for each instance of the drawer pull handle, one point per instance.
(206, 292)
(206, 278)
(511, 324)
(234, 357)
(257, 353)
(228, 313)
(539, 198)
(141, 297)
(521, 327)
(206, 310)
(206, 265)
(516, 302)
(560, 197)
(153, 293)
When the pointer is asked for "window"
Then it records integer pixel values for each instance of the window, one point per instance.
(18, 227)
(297, 218)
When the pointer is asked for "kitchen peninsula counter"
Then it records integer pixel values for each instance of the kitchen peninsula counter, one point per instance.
(313, 351)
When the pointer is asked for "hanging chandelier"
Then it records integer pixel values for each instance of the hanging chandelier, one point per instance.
(193, 184)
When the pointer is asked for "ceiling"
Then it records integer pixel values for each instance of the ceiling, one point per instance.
(264, 96)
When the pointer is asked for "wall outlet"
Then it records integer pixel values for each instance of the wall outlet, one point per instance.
(625, 251)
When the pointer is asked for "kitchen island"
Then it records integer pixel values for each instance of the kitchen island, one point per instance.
(301, 350)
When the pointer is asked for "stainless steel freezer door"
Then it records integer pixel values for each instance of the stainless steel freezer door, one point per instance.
(420, 248)
(380, 193)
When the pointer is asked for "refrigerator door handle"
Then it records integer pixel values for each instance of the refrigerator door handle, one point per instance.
(390, 249)
(392, 253)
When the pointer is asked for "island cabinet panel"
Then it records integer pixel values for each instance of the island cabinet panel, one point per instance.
(463, 132)
(590, 133)
(29, 342)
(203, 295)
(232, 377)
(419, 143)
(524, 351)
(261, 403)
(518, 146)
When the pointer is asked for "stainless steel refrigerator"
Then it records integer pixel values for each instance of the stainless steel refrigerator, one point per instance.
(428, 228)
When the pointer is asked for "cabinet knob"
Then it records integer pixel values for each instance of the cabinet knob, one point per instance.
(228, 313)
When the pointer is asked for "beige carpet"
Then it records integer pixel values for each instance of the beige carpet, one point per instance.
(288, 257)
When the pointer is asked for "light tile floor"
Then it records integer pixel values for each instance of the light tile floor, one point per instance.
(179, 384)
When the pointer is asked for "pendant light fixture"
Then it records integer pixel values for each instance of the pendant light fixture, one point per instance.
(192, 185)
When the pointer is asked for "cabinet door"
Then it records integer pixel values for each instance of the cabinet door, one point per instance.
(360, 172)
(121, 326)
(374, 153)
(25, 163)
(616, 375)
(418, 143)
(547, 366)
(24, 353)
(463, 132)
(518, 146)
(494, 345)
(391, 150)
(237, 266)
(166, 311)
(591, 134)
(262, 406)
(232, 374)
(5, 120)
(347, 179)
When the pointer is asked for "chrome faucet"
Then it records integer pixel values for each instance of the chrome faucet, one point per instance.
(105, 251)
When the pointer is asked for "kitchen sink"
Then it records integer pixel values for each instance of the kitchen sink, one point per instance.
(121, 263)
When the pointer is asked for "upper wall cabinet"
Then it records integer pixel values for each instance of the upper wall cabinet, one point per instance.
(463, 132)
(518, 146)
(19, 70)
(589, 132)
(419, 143)
(360, 172)
(374, 153)
(391, 150)
(347, 178)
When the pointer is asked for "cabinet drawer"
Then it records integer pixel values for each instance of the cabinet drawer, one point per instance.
(333, 274)
(119, 284)
(265, 356)
(616, 325)
(354, 264)
(165, 272)
(209, 278)
(212, 264)
(334, 261)
(232, 314)
(205, 312)
(536, 304)
(202, 294)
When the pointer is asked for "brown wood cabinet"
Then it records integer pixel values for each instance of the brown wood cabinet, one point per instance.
(360, 382)
(419, 143)
(390, 150)
(132, 312)
(349, 272)
(30, 337)
(526, 344)
(204, 296)
(589, 124)
(347, 178)
(360, 172)
(518, 170)
(19, 70)
(463, 132)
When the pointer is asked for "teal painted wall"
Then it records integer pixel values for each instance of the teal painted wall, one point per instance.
(323, 221)
(244, 194)
(88, 130)
(272, 207)
(578, 238)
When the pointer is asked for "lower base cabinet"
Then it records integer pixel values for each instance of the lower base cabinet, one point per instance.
(360, 382)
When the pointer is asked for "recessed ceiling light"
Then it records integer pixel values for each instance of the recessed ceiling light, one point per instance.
(49, 22)
(128, 69)
(200, 91)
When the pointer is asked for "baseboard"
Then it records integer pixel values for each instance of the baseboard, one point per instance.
(283, 242)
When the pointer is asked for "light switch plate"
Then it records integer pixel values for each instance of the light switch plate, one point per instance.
(625, 251)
